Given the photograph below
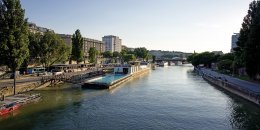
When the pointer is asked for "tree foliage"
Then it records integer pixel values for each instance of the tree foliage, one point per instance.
(92, 54)
(226, 65)
(107, 54)
(248, 52)
(141, 52)
(13, 34)
(53, 49)
(129, 57)
(205, 58)
(77, 53)
(34, 47)
(116, 54)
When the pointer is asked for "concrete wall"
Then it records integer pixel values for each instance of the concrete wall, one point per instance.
(250, 96)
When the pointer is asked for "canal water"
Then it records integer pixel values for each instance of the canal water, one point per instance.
(166, 98)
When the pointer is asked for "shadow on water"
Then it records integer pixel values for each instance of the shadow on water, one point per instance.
(54, 103)
(244, 114)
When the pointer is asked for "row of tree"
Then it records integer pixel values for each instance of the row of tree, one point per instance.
(19, 46)
(127, 55)
(47, 49)
(247, 54)
(207, 59)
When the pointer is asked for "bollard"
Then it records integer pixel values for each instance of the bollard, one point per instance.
(2, 97)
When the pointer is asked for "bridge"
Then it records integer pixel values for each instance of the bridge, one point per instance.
(175, 60)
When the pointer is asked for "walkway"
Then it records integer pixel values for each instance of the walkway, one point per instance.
(253, 87)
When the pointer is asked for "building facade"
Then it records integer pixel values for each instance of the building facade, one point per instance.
(66, 38)
(112, 43)
(234, 41)
(88, 43)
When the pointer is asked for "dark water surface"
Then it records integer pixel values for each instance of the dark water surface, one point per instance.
(165, 98)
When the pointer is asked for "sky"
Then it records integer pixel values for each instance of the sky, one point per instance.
(171, 25)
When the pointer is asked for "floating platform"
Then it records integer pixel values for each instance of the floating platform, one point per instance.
(112, 80)
(106, 82)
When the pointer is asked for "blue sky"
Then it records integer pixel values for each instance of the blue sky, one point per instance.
(179, 25)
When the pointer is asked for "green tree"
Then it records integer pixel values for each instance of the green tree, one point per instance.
(205, 58)
(34, 47)
(225, 65)
(77, 47)
(53, 49)
(247, 53)
(92, 54)
(13, 35)
(116, 54)
(141, 52)
(227, 56)
(129, 57)
(107, 54)
(252, 47)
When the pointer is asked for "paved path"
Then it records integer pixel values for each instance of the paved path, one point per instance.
(253, 87)
(8, 82)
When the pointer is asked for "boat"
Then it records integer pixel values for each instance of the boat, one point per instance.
(7, 108)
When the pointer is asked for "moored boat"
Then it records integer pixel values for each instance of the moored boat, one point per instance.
(7, 108)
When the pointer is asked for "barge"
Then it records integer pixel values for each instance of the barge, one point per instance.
(121, 74)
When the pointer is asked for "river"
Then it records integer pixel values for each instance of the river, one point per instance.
(166, 98)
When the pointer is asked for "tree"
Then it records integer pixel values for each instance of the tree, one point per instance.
(92, 54)
(77, 47)
(116, 54)
(205, 58)
(225, 65)
(141, 52)
(34, 47)
(252, 47)
(227, 56)
(247, 52)
(129, 57)
(154, 58)
(13, 35)
(53, 49)
(107, 54)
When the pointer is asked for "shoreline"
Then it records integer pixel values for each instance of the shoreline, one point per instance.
(239, 90)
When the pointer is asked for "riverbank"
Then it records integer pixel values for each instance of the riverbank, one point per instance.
(247, 90)
(24, 85)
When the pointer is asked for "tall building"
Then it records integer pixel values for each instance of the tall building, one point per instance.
(234, 41)
(112, 43)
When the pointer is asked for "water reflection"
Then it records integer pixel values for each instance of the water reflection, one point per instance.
(166, 98)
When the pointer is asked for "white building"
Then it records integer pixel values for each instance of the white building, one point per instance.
(112, 43)
(234, 41)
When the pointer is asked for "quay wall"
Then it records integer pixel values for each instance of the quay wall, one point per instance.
(239, 91)
(45, 82)
(21, 88)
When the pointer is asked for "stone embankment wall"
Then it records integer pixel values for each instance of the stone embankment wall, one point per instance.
(239, 91)
(21, 88)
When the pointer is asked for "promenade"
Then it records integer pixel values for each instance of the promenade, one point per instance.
(27, 79)
(240, 84)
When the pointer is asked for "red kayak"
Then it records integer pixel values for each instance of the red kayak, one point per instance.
(5, 109)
